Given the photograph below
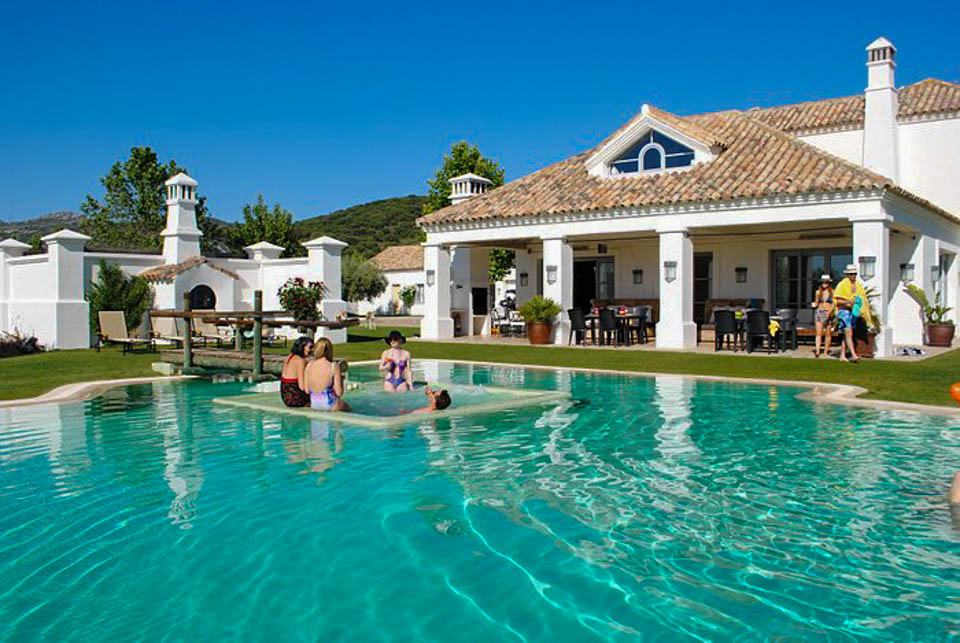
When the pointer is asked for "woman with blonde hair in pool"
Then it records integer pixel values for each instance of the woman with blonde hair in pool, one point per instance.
(324, 379)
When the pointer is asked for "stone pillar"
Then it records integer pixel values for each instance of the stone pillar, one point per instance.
(324, 257)
(872, 239)
(9, 249)
(436, 323)
(558, 266)
(676, 328)
(71, 310)
(526, 264)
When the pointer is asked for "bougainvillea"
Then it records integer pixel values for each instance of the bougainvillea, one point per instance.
(302, 298)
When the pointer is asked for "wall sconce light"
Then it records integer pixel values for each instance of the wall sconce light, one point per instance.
(524, 279)
(935, 273)
(868, 267)
(431, 277)
(670, 271)
(601, 248)
(551, 274)
(741, 272)
(906, 272)
(637, 276)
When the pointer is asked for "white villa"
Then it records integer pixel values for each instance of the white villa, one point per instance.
(402, 266)
(734, 204)
(45, 295)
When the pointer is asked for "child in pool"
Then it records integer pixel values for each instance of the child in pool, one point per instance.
(439, 400)
(395, 363)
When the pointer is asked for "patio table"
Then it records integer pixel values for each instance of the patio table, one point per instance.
(622, 320)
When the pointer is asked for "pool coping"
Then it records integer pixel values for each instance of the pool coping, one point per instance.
(819, 392)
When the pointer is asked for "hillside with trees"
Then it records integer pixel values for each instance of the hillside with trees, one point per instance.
(368, 227)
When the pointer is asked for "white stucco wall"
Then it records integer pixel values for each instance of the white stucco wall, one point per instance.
(930, 161)
(397, 280)
(847, 144)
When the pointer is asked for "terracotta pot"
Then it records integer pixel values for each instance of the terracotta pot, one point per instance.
(864, 344)
(940, 334)
(539, 332)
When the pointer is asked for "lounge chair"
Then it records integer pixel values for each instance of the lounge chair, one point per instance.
(207, 331)
(113, 330)
(167, 329)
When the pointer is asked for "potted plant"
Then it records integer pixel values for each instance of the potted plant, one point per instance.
(539, 313)
(865, 337)
(937, 330)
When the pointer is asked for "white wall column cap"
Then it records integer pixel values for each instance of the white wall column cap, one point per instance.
(65, 235)
(12, 244)
(672, 229)
(866, 218)
(553, 236)
(321, 242)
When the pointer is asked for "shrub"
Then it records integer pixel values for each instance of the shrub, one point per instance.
(116, 290)
(931, 314)
(13, 344)
(408, 295)
(302, 298)
(539, 309)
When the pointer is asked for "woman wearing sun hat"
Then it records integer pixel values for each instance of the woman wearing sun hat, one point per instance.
(851, 298)
(396, 365)
(823, 307)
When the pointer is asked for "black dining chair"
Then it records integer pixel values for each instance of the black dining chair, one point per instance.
(725, 327)
(758, 328)
(638, 326)
(788, 328)
(609, 325)
(578, 326)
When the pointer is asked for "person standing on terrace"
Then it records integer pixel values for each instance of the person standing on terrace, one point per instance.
(823, 306)
(852, 304)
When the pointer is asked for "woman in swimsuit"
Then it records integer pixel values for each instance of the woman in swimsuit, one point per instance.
(396, 365)
(293, 389)
(823, 306)
(324, 380)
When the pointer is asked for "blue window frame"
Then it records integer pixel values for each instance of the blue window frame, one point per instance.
(652, 152)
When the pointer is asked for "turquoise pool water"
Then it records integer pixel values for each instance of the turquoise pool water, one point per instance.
(659, 508)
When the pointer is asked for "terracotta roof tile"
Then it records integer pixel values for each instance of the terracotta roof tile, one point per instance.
(168, 271)
(400, 258)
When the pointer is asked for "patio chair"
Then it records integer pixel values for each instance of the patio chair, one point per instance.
(758, 328)
(113, 330)
(167, 329)
(498, 321)
(725, 327)
(788, 328)
(207, 331)
(638, 326)
(609, 325)
(516, 323)
(578, 327)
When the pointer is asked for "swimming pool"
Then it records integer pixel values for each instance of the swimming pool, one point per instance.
(666, 507)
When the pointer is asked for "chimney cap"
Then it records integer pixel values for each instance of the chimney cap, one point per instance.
(880, 43)
(470, 176)
(180, 178)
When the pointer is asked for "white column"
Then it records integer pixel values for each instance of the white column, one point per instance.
(324, 257)
(558, 266)
(872, 239)
(71, 310)
(436, 322)
(526, 264)
(676, 328)
(904, 312)
(461, 284)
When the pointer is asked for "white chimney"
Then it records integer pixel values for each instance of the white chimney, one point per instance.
(181, 237)
(881, 149)
(467, 186)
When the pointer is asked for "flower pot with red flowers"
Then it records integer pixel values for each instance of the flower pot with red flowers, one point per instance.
(938, 331)
(539, 313)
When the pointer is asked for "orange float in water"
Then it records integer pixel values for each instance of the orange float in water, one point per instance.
(955, 392)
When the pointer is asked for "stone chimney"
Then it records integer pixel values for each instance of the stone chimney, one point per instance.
(467, 186)
(881, 149)
(181, 237)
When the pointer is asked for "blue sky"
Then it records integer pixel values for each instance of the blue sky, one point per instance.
(322, 106)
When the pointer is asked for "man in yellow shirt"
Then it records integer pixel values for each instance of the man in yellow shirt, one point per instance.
(851, 298)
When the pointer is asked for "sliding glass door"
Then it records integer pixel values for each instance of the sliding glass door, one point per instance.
(796, 273)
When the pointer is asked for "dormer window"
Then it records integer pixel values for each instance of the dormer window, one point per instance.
(654, 152)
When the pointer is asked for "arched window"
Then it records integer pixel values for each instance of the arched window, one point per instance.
(652, 153)
(203, 298)
(652, 158)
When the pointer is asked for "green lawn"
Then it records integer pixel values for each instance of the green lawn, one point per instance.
(925, 382)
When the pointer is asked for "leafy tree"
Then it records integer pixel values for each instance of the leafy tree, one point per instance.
(116, 290)
(361, 280)
(132, 212)
(463, 158)
(500, 262)
(408, 295)
(262, 224)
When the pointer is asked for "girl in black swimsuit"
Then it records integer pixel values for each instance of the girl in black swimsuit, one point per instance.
(290, 391)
